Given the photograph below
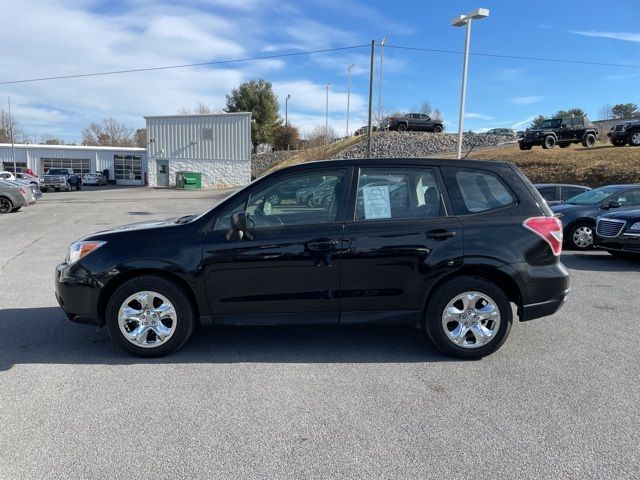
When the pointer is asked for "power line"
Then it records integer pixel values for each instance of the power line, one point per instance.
(187, 65)
(515, 57)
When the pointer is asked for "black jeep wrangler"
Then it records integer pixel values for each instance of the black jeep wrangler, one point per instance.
(624, 133)
(561, 131)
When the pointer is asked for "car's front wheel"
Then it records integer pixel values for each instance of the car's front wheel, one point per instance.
(549, 142)
(5, 205)
(618, 142)
(589, 140)
(401, 127)
(581, 236)
(150, 316)
(525, 146)
(634, 139)
(437, 129)
(468, 317)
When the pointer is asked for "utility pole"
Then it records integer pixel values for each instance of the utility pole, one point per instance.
(349, 68)
(373, 49)
(13, 149)
(326, 117)
(384, 40)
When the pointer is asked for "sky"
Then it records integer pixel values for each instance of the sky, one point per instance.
(43, 38)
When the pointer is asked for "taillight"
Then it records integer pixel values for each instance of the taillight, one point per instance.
(547, 228)
(22, 191)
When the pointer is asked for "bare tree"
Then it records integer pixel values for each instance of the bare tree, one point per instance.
(109, 133)
(321, 136)
(200, 109)
(7, 124)
(605, 112)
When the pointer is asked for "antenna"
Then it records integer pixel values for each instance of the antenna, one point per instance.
(465, 157)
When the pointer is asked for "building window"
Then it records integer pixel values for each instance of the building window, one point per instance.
(128, 167)
(78, 165)
(8, 166)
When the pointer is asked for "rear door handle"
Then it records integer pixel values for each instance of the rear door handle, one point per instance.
(321, 245)
(440, 234)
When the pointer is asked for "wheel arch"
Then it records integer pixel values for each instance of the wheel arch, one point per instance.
(489, 273)
(578, 220)
(122, 278)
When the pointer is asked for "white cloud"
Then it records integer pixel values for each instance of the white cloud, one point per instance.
(479, 116)
(624, 36)
(521, 123)
(527, 100)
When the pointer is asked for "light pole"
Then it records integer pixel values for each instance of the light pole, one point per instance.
(384, 40)
(286, 110)
(349, 68)
(461, 21)
(326, 118)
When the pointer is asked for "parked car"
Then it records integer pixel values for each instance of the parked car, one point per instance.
(414, 122)
(624, 133)
(14, 196)
(60, 179)
(619, 232)
(507, 132)
(33, 180)
(289, 191)
(558, 193)
(561, 131)
(579, 213)
(451, 262)
(94, 179)
(306, 195)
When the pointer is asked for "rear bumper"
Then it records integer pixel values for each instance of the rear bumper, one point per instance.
(77, 293)
(543, 309)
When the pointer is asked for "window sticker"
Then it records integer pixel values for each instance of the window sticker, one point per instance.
(376, 202)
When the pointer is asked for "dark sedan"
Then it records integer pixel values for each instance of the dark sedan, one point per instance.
(579, 214)
(558, 193)
(619, 232)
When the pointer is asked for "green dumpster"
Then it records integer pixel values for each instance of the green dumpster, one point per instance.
(189, 180)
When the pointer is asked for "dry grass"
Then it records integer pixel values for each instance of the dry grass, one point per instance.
(322, 152)
(600, 165)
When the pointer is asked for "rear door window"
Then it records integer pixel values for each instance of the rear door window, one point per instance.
(548, 193)
(475, 191)
(567, 192)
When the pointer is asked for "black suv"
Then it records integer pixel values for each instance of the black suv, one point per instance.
(561, 131)
(448, 245)
(415, 122)
(624, 133)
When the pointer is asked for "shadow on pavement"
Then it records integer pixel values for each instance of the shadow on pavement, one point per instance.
(44, 335)
(604, 262)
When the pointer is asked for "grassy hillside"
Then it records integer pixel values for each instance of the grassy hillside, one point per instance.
(593, 167)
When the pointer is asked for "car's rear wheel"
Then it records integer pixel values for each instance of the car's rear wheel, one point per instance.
(150, 316)
(581, 236)
(16, 209)
(634, 139)
(401, 127)
(5, 205)
(549, 142)
(589, 140)
(525, 146)
(437, 129)
(468, 317)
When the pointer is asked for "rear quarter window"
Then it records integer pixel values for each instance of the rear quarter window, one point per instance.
(476, 191)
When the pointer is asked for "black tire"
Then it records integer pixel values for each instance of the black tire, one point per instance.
(67, 187)
(548, 142)
(6, 206)
(274, 198)
(564, 145)
(57, 189)
(572, 239)
(78, 186)
(589, 140)
(437, 129)
(43, 189)
(444, 294)
(309, 202)
(401, 127)
(634, 139)
(525, 146)
(185, 314)
(620, 142)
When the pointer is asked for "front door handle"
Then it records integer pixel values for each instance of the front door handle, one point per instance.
(440, 234)
(321, 245)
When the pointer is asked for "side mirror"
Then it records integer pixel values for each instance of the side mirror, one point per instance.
(238, 229)
(611, 204)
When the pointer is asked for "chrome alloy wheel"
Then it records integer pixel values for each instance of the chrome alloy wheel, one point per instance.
(471, 320)
(635, 138)
(583, 237)
(147, 319)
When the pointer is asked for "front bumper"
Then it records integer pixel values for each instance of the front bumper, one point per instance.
(53, 185)
(628, 243)
(77, 293)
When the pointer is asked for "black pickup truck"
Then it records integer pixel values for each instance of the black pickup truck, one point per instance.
(60, 179)
(416, 122)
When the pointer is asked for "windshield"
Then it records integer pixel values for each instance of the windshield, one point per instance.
(57, 171)
(593, 197)
(553, 123)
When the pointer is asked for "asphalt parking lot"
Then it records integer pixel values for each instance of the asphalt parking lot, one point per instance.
(561, 399)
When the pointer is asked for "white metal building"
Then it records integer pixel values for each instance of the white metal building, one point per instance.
(127, 166)
(217, 145)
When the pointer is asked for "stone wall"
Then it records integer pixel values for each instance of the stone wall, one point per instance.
(215, 173)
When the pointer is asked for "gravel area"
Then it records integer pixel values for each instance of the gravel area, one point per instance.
(420, 144)
(261, 162)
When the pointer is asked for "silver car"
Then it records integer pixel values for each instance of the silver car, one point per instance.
(14, 196)
(94, 179)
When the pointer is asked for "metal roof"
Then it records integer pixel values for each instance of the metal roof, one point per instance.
(72, 147)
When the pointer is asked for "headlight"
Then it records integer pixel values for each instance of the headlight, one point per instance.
(80, 250)
(635, 226)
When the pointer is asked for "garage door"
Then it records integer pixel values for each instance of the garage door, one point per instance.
(79, 165)
(128, 169)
